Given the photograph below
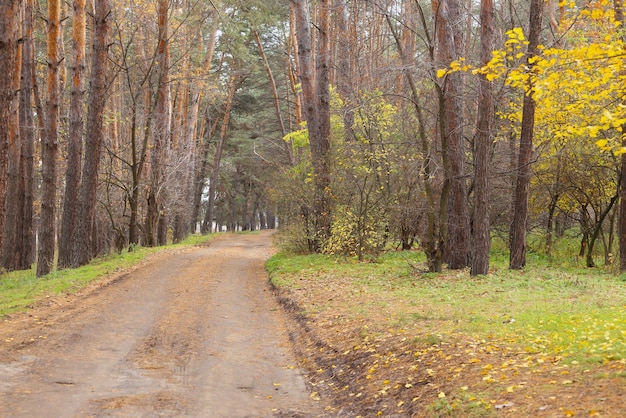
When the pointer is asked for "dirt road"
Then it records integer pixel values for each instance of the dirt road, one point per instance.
(196, 333)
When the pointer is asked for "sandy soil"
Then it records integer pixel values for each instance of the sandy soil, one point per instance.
(196, 333)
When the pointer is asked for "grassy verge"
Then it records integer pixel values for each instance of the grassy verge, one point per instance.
(452, 345)
(19, 290)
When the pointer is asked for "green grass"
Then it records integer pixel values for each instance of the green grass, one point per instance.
(19, 290)
(549, 308)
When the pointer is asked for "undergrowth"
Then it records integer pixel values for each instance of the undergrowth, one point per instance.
(456, 345)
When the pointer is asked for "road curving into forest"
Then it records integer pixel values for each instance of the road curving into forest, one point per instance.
(195, 333)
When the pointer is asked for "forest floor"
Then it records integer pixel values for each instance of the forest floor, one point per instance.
(194, 332)
(381, 343)
(199, 332)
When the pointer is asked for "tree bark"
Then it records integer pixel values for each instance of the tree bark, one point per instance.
(84, 242)
(9, 12)
(25, 231)
(517, 259)
(75, 138)
(449, 46)
(155, 213)
(45, 258)
(618, 6)
(316, 100)
(482, 146)
(12, 223)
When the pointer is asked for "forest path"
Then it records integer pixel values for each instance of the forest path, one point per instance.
(195, 333)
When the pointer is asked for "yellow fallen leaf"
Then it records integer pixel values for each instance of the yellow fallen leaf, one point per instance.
(441, 395)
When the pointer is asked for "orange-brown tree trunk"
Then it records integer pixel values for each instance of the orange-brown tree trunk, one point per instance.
(45, 257)
(75, 137)
(12, 223)
(25, 230)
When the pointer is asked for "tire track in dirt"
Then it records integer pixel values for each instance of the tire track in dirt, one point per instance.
(196, 333)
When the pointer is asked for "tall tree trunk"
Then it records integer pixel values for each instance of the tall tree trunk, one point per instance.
(316, 100)
(618, 5)
(449, 37)
(84, 245)
(482, 145)
(25, 233)
(45, 258)
(517, 259)
(12, 251)
(75, 139)
(9, 13)
(155, 213)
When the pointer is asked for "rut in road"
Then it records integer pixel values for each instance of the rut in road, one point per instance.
(196, 333)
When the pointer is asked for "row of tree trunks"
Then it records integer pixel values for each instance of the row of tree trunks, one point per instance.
(199, 164)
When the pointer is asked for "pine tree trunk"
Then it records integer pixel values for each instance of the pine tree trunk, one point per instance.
(84, 243)
(449, 46)
(12, 251)
(9, 12)
(45, 257)
(517, 259)
(27, 137)
(75, 138)
(484, 137)
(316, 100)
